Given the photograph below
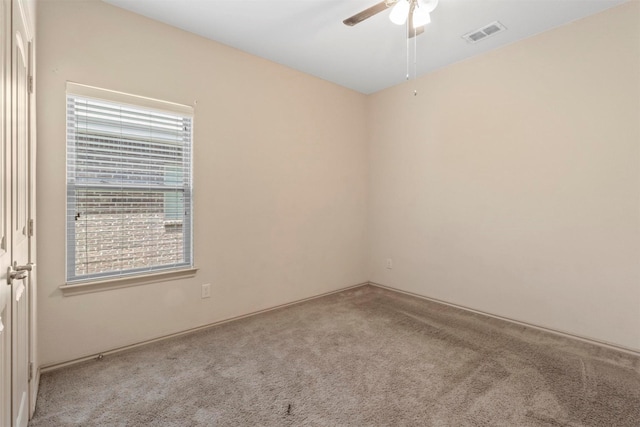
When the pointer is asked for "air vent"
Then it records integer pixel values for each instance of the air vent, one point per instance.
(484, 32)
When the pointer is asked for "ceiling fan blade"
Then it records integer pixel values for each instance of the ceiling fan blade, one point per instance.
(415, 31)
(368, 13)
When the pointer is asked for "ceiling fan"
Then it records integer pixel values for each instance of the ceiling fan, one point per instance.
(415, 11)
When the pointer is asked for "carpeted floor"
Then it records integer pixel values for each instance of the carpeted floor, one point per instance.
(363, 357)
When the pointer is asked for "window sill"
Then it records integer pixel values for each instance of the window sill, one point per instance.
(70, 289)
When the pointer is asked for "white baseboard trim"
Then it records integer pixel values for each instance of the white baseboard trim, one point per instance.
(48, 368)
(569, 335)
(34, 393)
(51, 367)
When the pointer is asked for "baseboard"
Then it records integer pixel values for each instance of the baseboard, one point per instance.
(48, 368)
(564, 334)
(34, 392)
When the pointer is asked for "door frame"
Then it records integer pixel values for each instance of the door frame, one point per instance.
(34, 367)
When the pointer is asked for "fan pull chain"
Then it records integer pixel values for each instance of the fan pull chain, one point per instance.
(415, 62)
(407, 38)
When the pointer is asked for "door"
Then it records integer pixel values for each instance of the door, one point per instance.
(5, 214)
(14, 213)
(19, 215)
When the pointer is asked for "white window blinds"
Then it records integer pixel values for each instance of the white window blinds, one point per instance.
(129, 207)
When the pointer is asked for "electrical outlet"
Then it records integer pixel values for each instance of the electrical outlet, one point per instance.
(389, 263)
(206, 290)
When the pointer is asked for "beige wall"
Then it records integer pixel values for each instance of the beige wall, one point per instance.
(280, 178)
(511, 183)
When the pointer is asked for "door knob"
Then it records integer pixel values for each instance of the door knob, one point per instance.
(18, 272)
(13, 275)
(27, 267)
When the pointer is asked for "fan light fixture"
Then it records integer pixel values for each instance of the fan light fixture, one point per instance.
(420, 17)
(414, 13)
(399, 12)
(421, 10)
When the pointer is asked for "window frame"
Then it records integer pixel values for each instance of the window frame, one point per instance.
(137, 275)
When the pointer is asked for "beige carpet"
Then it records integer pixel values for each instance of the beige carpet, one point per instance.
(363, 357)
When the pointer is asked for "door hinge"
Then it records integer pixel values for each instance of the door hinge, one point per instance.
(32, 226)
(30, 84)
(30, 370)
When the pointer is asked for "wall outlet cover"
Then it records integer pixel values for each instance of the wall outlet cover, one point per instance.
(206, 290)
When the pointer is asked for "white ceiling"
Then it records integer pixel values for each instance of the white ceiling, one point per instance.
(309, 36)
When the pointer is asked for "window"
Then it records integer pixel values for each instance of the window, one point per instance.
(129, 192)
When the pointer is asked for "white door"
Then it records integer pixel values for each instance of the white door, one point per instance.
(20, 215)
(14, 210)
(5, 214)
